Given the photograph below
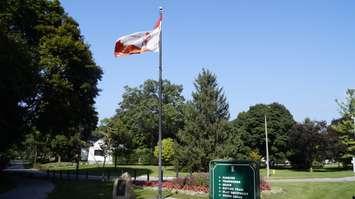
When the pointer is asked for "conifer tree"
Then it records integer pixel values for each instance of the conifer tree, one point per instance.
(205, 135)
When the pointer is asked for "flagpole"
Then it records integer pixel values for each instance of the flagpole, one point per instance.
(160, 190)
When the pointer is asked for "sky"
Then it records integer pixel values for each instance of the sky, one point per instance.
(297, 53)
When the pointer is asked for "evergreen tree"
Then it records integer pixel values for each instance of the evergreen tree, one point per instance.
(206, 134)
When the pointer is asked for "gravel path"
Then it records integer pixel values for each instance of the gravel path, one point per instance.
(27, 188)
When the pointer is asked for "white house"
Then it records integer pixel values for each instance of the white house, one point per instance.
(96, 155)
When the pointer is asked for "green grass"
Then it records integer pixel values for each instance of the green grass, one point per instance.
(95, 169)
(312, 191)
(6, 183)
(103, 190)
(317, 173)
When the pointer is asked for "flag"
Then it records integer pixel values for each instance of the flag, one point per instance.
(139, 42)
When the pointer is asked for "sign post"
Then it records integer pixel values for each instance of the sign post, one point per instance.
(234, 179)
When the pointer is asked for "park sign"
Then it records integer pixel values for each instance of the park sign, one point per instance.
(234, 179)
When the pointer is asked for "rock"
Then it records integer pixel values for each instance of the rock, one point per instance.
(123, 188)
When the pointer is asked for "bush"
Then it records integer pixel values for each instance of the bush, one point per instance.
(265, 185)
(142, 156)
(195, 180)
(317, 165)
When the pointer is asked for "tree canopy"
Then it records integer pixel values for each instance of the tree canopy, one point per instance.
(138, 111)
(307, 141)
(251, 126)
(345, 126)
(49, 79)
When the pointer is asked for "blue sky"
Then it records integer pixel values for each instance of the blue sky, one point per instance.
(298, 53)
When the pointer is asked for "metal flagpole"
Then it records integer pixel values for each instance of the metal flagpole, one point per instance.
(160, 195)
(267, 151)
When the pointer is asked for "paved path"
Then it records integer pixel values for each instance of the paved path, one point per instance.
(344, 179)
(27, 188)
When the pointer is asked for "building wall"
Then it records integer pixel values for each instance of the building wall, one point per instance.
(97, 158)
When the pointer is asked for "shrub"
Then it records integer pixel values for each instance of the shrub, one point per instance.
(265, 185)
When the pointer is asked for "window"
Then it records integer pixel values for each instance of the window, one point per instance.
(98, 153)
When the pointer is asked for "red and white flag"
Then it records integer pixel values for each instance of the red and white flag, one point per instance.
(139, 42)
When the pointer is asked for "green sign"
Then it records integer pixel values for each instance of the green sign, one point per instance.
(234, 179)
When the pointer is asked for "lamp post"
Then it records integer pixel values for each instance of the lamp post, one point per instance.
(267, 150)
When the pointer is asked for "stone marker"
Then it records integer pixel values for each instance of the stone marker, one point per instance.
(122, 188)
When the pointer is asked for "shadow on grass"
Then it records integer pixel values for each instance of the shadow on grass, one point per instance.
(107, 171)
(81, 190)
(6, 183)
(115, 171)
(142, 193)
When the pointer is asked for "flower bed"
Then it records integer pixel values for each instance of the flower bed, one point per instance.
(197, 183)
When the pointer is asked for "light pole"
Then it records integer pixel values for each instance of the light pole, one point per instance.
(267, 150)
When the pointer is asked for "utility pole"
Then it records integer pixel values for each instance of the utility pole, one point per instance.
(267, 151)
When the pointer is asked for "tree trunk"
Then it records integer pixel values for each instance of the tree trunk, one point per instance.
(103, 165)
(59, 159)
(151, 153)
(35, 156)
(115, 160)
(77, 162)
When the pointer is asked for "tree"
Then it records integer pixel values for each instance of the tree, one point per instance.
(36, 147)
(251, 126)
(49, 80)
(116, 139)
(206, 134)
(59, 146)
(19, 70)
(138, 112)
(306, 141)
(70, 78)
(168, 150)
(345, 126)
(333, 148)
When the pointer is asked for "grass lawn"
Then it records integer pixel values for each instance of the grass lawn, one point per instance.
(317, 173)
(98, 190)
(312, 191)
(95, 169)
(103, 190)
(6, 183)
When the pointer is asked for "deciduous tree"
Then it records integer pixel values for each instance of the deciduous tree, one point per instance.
(138, 112)
(305, 141)
(251, 125)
